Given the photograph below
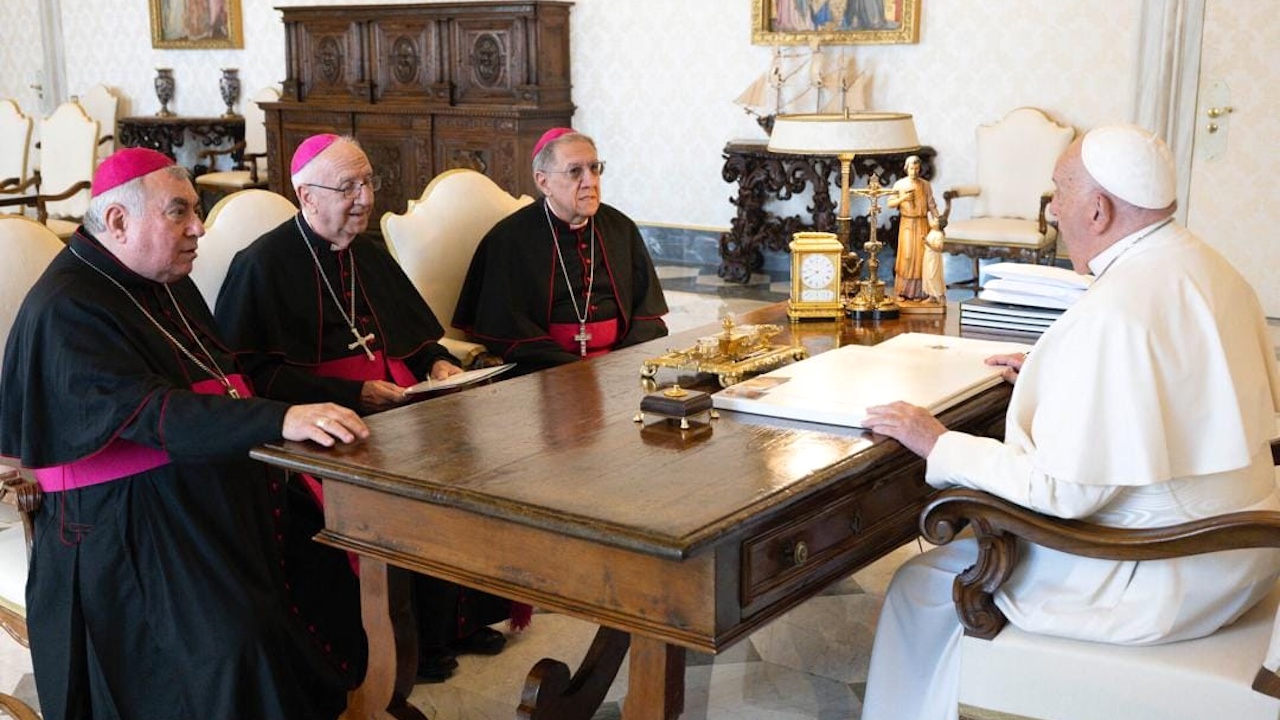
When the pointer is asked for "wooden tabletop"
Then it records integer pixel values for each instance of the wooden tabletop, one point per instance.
(556, 449)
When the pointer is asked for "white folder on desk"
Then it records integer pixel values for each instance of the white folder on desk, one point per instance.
(836, 387)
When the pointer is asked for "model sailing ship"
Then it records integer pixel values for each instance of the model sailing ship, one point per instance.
(801, 81)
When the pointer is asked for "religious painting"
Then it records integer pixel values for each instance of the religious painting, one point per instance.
(196, 24)
(835, 22)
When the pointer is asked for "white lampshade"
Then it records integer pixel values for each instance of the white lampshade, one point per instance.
(834, 134)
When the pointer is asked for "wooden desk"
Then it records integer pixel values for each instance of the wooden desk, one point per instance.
(543, 489)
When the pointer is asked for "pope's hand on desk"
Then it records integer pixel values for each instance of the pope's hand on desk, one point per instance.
(1012, 363)
(378, 395)
(911, 425)
(322, 422)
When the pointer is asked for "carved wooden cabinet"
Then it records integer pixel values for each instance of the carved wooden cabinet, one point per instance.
(424, 88)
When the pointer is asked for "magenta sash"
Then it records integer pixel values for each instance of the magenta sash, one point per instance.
(122, 458)
(360, 367)
(604, 333)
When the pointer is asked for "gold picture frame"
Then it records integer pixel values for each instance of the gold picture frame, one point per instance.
(835, 22)
(196, 24)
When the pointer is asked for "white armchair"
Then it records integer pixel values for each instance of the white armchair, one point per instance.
(234, 222)
(252, 170)
(15, 139)
(437, 235)
(29, 248)
(68, 155)
(1015, 160)
(103, 106)
(1010, 674)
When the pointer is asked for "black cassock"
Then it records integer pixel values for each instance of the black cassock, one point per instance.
(516, 288)
(274, 300)
(163, 592)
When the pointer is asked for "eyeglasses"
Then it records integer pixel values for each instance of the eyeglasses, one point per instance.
(575, 172)
(350, 190)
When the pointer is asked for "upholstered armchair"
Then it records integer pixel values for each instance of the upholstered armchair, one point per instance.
(15, 140)
(434, 241)
(1007, 218)
(29, 247)
(68, 155)
(1014, 675)
(234, 222)
(252, 170)
(104, 107)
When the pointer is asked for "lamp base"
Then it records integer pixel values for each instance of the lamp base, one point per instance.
(872, 313)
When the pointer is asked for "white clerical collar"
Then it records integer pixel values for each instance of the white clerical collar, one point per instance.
(1103, 260)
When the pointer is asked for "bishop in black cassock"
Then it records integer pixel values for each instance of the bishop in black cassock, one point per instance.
(159, 584)
(333, 303)
(566, 277)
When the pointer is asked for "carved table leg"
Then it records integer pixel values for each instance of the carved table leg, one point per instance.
(388, 623)
(550, 694)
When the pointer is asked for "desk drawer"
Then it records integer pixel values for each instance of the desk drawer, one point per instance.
(840, 531)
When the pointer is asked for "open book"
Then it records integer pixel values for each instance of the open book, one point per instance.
(836, 387)
(462, 378)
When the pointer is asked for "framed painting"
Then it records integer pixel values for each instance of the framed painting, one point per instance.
(196, 24)
(834, 22)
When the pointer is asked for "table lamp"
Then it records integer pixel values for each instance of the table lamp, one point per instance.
(844, 136)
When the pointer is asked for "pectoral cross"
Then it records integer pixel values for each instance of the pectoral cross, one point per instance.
(362, 342)
(582, 337)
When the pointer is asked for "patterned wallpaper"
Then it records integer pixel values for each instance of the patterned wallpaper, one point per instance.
(654, 79)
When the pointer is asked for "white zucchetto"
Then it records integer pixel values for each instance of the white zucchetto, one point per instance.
(1131, 164)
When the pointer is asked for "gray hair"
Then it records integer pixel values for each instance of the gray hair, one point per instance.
(130, 195)
(307, 174)
(542, 161)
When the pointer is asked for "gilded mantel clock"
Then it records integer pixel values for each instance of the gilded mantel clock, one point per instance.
(815, 276)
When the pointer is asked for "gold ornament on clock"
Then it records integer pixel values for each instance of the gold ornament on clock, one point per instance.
(815, 277)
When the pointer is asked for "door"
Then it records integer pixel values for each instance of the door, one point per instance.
(1232, 202)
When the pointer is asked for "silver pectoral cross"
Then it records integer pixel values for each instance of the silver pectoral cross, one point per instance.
(582, 337)
(362, 342)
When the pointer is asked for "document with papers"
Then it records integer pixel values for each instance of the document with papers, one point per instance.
(462, 378)
(836, 387)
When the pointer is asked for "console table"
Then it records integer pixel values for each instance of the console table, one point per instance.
(763, 176)
(667, 539)
(166, 133)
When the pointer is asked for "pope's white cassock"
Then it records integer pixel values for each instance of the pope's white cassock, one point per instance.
(1150, 402)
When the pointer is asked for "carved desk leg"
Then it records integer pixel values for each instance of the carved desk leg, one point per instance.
(388, 623)
(550, 694)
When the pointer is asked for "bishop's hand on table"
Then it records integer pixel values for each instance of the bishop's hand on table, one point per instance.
(1012, 363)
(323, 423)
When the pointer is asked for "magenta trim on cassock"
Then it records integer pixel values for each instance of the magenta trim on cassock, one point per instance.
(604, 333)
(122, 458)
(360, 367)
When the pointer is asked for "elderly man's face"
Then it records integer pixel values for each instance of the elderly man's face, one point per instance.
(1073, 204)
(572, 198)
(161, 243)
(336, 215)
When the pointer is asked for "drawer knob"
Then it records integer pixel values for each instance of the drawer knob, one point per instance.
(799, 553)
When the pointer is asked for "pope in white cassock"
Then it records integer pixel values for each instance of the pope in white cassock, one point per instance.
(1150, 402)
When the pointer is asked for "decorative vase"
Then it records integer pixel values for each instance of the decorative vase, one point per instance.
(230, 87)
(164, 90)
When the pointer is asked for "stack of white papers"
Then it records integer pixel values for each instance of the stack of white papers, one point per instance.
(1035, 285)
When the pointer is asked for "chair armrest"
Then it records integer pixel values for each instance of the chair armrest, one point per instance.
(42, 213)
(950, 194)
(106, 139)
(16, 708)
(1046, 197)
(12, 185)
(998, 525)
(471, 356)
(250, 160)
(212, 153)
(23, 494)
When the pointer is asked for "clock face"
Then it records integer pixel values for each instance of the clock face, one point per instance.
(817, 271)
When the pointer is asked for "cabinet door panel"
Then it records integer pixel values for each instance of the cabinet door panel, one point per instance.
(490, 60)
(330, 61)
(408, 64)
